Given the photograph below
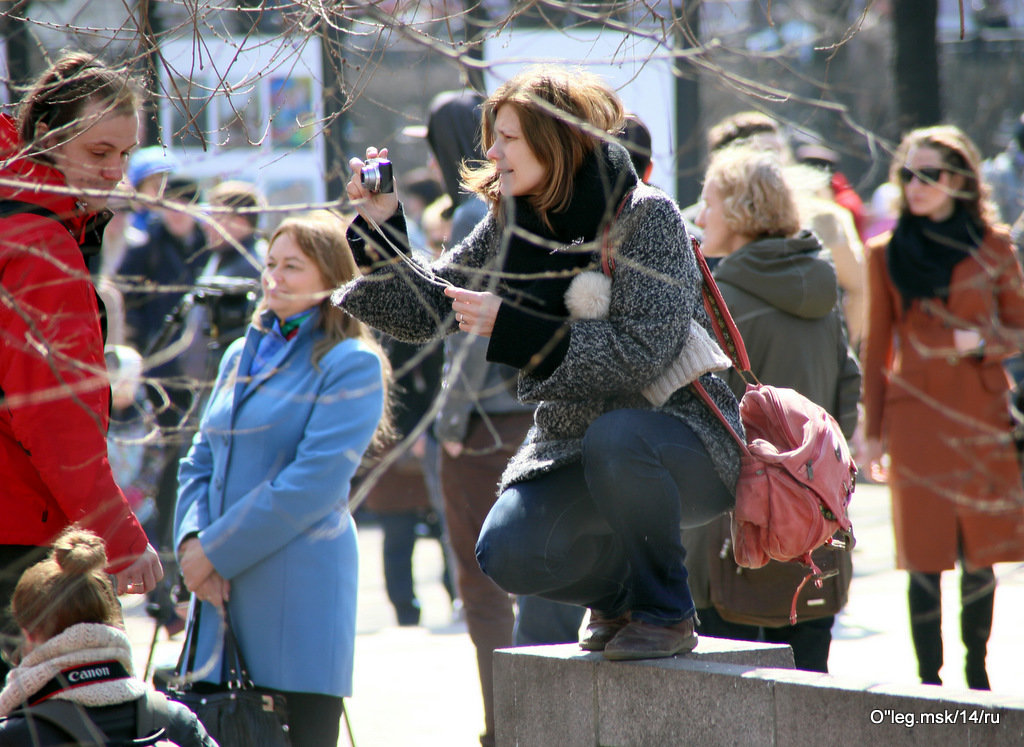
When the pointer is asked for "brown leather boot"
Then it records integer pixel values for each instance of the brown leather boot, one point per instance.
(640, 640)
(601, 629)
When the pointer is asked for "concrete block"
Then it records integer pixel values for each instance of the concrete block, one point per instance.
(560, 695)
(693, 703)
(544, 695)
(811, 708)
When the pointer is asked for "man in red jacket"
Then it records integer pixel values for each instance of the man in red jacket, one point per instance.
(62, 157)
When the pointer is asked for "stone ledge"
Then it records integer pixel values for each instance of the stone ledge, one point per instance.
(728, 692)
(560, 695)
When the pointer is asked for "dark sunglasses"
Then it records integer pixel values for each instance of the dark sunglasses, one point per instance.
(929, 175)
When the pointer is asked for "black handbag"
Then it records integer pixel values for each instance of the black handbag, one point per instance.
(236, 713)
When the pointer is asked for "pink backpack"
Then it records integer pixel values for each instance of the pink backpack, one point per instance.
(796, 475)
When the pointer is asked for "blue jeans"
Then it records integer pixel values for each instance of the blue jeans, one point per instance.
(604, 533)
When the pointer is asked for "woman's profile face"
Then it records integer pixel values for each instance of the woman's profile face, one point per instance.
(292, 282)
(928, 185)
(718, 236)
(96, 157)
(519, 171)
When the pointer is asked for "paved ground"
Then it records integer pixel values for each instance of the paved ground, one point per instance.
(417, 686)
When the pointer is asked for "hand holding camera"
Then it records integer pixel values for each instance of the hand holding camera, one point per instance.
(371, 188)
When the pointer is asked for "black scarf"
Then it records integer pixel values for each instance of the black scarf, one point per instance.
(922, 253)
(540, 261)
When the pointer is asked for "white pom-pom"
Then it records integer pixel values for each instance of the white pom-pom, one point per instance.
(589, 295)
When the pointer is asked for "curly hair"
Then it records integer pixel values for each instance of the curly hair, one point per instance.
(756, 197)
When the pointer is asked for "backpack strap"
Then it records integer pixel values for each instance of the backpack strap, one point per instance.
(69, 718)
(702, 393)
(91, 240)
(10, 208)
(721, 320)
(152, 716)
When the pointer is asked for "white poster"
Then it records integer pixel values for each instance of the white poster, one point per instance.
(250, 109)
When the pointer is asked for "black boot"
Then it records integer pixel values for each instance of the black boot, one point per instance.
(977, 598)
(925, 599)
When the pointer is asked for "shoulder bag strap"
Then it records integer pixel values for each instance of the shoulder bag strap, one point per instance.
(728, 335)
(187, 657)
(721, 320)
(607, 250)
(234, 662)
(9, 207)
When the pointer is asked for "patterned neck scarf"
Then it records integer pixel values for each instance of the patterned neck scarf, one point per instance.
(290, 326)
(277, 337)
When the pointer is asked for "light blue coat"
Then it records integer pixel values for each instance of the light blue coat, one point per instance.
(266, 485)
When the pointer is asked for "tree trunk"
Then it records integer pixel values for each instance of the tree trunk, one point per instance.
(19, 44)
(335, 105)
(916, 63)
(689, 140)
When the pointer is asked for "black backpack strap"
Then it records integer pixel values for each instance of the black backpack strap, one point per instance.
(153, 716)
(69, 718)
(10, 207)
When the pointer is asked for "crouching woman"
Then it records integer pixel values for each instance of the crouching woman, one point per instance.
(621, 452)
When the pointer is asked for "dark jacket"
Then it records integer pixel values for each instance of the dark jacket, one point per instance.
(783, 296)
(158, 271)
(54, 394)
(417, 382)
(117, 722)
(453, 131)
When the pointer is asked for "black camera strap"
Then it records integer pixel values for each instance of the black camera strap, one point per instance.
(80, 676)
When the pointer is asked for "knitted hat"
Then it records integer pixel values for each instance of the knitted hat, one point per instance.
(147, 162)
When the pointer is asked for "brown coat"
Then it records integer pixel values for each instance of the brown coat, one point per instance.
(943, 416)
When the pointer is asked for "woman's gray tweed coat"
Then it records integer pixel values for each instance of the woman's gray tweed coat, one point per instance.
(656, 290)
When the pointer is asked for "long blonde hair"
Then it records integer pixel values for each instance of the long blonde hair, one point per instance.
(320, 235)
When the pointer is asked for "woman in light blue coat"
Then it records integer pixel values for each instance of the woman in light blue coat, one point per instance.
(262, 523)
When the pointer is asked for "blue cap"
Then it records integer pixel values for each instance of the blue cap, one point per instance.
(146, 162)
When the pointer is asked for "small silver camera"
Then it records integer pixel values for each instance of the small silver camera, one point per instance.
(377, 175)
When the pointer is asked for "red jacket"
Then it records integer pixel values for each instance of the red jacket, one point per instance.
(54, 395)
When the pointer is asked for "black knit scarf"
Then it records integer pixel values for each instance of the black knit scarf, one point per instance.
(540, 261)
(922, 253)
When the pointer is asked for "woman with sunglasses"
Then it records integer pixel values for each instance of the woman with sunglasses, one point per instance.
(946, 306)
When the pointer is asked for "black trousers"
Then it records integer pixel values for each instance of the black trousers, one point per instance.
(810, 639)
(314, 720)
